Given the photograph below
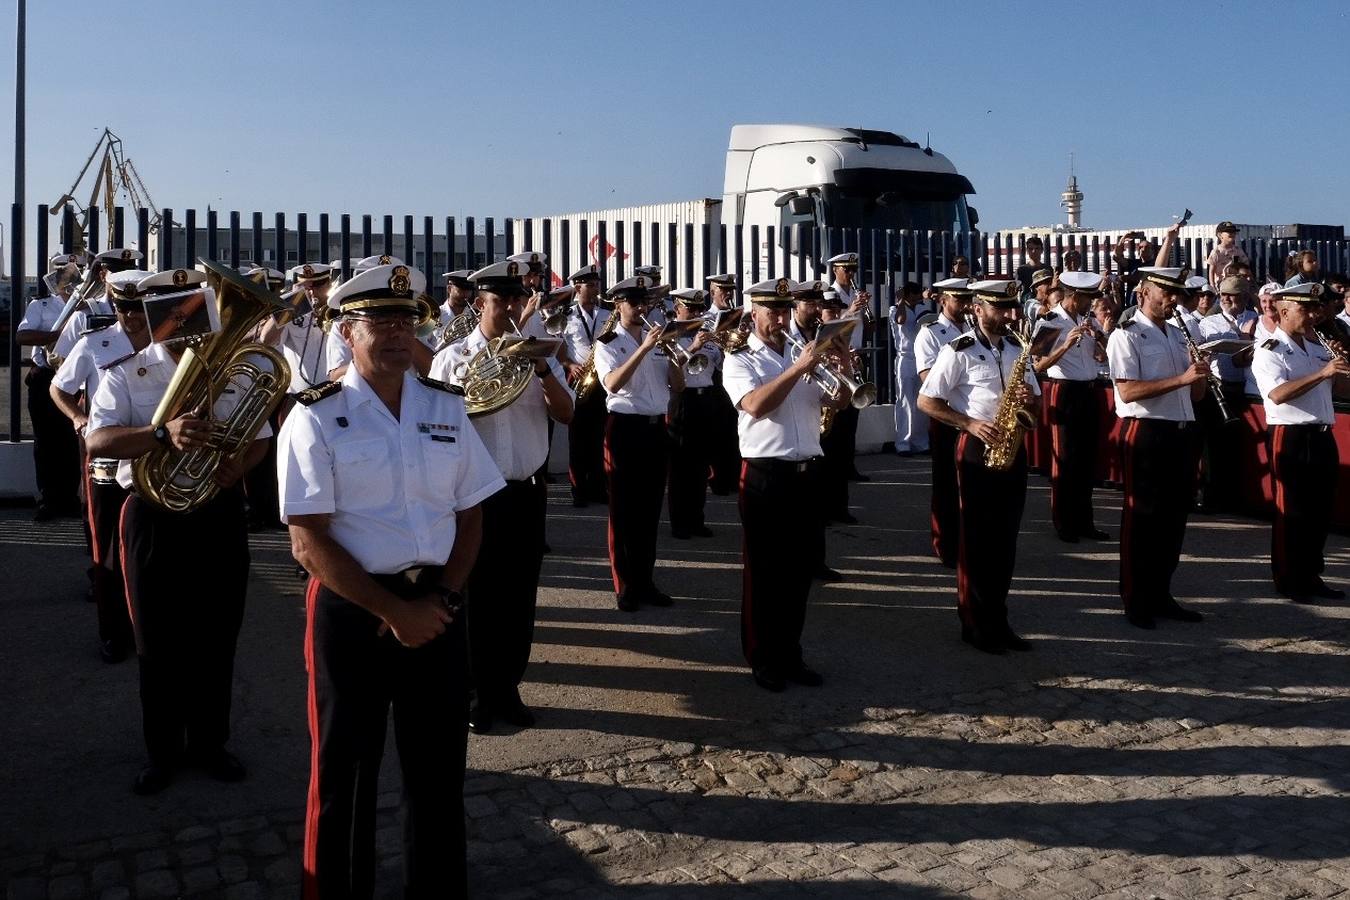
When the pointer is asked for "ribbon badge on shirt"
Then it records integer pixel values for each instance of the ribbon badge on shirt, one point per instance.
(439, 431)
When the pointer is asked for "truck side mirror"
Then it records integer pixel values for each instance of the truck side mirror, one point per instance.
(801, 206)
(784, 199)
(974, 216)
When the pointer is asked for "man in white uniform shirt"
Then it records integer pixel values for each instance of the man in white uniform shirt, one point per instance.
(945, 513)
(95, 300)
(692, 420)
(382, 476)
(1156, 387)
(458, 294)
(1231, 320)
(586, 435)
(858, 304)
(906, 318)
(963, 390)
(72, 390)
(779, 427)
(1071, 365)
(726, 456)
(1297, 377)
(185, 651)
(504, 584)
(638, 377)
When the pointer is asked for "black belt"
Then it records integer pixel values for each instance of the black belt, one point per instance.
(1083, 381)
(416, 575)
(1310, 426)
(773, 464)
(1168, 422)
(650, 420)
(698, 390)
(533, 480)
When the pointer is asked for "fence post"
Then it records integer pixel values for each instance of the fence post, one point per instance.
(165, 239)
(620, 248)
(451, 262)
(345, 245)
(408, 248)
(325, 255)
(429, 252)
(754, 255)
(189, 236)
(278, 242)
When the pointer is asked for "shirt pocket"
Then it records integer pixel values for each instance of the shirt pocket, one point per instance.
(363, 476)
(145, 397)
(441, 462)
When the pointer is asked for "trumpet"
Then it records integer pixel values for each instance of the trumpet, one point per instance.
(833, 380)
(696, 364)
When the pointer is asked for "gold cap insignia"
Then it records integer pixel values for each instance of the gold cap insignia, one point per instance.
(534, 257)
(307, 271)
(781, 289)
(1314, 290)
(399, 282)
(1012, 290)
(512, 269)
(126, 254)
(179, 278)
(384, 260)
(1183, 273)
(641, 281)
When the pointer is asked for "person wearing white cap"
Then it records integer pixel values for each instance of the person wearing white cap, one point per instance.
(382, 476)
(945, 512)
(301, 339)
(836, 440)
(1070, 367)
(638, 377)
(1220, 476)
(533, 265)
(586, 435)
(1156, 386)
(95, 301)
(907, 317)
(964, 389)
(858, 302)
(337, 352)
(458, 294)
(79, 375)
(185, 654)
(724, 449)
(693, 416)
(1298, 376)
(504, 583)
(779, 410)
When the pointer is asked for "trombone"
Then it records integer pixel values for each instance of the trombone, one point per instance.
(833, 379)
(696, 363)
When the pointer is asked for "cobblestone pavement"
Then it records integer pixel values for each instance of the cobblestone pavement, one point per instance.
(1205, 761)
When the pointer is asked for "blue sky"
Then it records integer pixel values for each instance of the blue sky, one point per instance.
(1236, 110)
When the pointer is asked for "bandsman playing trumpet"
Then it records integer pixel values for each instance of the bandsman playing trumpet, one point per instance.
(779, 400)
(857, 301)
(588, 320)
(185, 620)
(693, 421)
(504, 584)
(835, 439)
(725, 446)
(1297, 376)
(638, 374)
(974, 380)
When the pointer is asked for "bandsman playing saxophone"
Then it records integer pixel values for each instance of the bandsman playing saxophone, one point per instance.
(587, 322)
(977, 386)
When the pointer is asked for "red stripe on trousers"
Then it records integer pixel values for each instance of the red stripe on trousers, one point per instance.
(962, 581)
(1052, 393)
(747, 583)
(89, 514)
(1279, 557)
(310, 882)
(122, 555)
(1127, 516)
(609, 477)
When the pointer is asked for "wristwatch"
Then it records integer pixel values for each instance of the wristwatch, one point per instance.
(161, 434)
(452, 599)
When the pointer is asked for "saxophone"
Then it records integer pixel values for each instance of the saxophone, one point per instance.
(588, 381)
(1012, 420)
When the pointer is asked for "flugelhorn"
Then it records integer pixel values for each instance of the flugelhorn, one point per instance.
(695, 363)
(832, 380)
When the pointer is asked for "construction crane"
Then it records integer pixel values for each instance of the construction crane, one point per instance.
(116, 174)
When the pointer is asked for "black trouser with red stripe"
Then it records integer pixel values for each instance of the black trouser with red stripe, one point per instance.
(945, 504)
(56, 448)
(1303, 466)
(186, 575)
(355, 676)
(991, 503)
(724, 441)
(635, 461)
(1220, 471)
(692, 423)
(504, 586)
(586, 448)
(105, 511)
(778, 567)
(1075, 431)
(1159, 461)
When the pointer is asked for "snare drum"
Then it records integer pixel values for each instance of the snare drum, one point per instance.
(103, 471)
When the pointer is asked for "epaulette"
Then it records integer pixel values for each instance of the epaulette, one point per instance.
(98, 323)
(1126, 323)
(1269, 344)
(964, 341)
(441, 385)
(116, 362)
(313, 395)
(607, 336)
(928, 319)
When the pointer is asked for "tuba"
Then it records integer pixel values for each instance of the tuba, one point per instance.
(183, 480)
(1012, 420)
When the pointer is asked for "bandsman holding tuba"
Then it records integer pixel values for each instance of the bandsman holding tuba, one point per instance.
(185, 619)
(981, 386)
(504, 583)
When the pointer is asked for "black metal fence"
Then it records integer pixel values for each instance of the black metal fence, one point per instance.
(688, 253)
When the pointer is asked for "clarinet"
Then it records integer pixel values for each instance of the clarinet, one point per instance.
(1215, 385)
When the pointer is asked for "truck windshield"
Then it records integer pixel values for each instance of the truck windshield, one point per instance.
(907, 200)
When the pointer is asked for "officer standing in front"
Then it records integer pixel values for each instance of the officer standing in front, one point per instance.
(945, 512)
(382, 476)
(779, 410)
(693, 419)
(963, 390)
(1071, 365)
(1297, 377)
(1156, 386)
(638, 377)
(504, 584)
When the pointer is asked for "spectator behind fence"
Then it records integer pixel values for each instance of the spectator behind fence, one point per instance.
(1336, 288)
(1038, 301)
(1262, 328)
(1031, 264)
(960, 267)
(1226, 252)
(1307, 269)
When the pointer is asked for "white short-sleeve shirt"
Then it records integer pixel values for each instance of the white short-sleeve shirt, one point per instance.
(1078, 362)
(792, 431)
(82, 369)
(78, 324)
(932, 338)
(971, 376)
(41, 314)
(582, 327)
(1220, 325)
(1140, 350)
(1279, 359)
(713, 353)
(390, 486)
(647, 393)
(304, 345)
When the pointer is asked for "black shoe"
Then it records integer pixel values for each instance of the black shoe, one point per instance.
(112, 651)
(548, 548)
(1013, 641)
(44, 513)
(1141, 620)
(152, 780)
(626, 601)
(855, 475)
(825, 573)
(224, 766)
(680, 534)
(515, 712)
(659, 598)
(703, 531)
(844, 518)
(480, 718)
(579, 502)
(980, 640)
(1067, 537)
(1320, 588)
(769, 679)
(1174, 610)
(806, 676)
(1095, 534)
